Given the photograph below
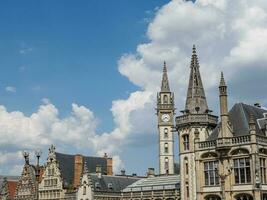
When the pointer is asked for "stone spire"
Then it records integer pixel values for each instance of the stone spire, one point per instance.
(225, 128)
(165, 82)
(196, 100)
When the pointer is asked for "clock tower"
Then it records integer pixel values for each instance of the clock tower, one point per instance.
(165, 113)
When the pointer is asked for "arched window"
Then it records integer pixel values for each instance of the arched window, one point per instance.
(264, 196)
(166, 148)
(165, 99)
(165, 133)
(244, 197)
(186, 142)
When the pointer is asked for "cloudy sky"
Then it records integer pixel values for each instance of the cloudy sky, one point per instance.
(84, 76)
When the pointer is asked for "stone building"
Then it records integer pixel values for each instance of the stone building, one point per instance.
(27, 183)
(51, 185)
(100, 186)
(221, 160)
(62, 172)
(8, 187)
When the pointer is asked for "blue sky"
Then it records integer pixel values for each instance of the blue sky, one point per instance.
(83, 75)
(68, 52)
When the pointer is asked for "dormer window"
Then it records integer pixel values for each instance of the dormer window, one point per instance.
(97, 185)
(110, 187)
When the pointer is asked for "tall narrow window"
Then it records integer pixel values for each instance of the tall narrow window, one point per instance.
(186, 168)
(166, 163)
(187, 191)
(211, 173)
(166, 148)
(165, 99)
(84, 190)
(263, 170)
(165, 133)
(242, 170)
(186, 142)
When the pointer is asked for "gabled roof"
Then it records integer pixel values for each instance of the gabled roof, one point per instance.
(155, 183)
(118, 183)
(66, 165)
(239, 117)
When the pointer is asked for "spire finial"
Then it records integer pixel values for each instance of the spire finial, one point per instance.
(164, 66)
(194, 49)
(222, 82)
(165, 83)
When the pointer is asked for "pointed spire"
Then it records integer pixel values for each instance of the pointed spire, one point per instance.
(196, 100)
(165, 82)
(222, 82)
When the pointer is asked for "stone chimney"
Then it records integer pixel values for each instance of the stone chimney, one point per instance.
(123, 173)
(109, 164)
(150, 172)
(78, 168)
(98, 171)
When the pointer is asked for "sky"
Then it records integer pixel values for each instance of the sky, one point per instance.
(84, 75)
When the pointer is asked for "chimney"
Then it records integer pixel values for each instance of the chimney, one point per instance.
(109, 164)
(257, 105)
(98, 171)
(123, 172)
(78, 168)
(151, 172)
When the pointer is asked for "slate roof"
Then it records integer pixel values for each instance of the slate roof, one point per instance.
(155, 183)
(239, 117)
(118, 182)
(66, 165)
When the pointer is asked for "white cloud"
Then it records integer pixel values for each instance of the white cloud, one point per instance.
(11, 89)
(230, 36)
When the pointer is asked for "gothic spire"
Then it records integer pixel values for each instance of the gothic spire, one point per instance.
(165, 82)
(196, 100)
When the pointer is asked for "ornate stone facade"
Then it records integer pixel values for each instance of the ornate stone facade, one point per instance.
(51, 185)
(27, 184)
(225, 160)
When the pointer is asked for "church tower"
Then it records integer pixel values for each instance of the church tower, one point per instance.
(195, 124)
(165, 113)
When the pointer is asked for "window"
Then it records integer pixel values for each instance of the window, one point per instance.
(187, 191)
(166, 163)
(166, 148)
(165, 99)
(84, 190)
(212, 197)
(186, 168)
(242, 170)
(165, 133)
(263, 170)
(186, 142)
(211, 173)
(110, 186)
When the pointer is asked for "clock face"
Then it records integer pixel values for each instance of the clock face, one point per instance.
(165, 117)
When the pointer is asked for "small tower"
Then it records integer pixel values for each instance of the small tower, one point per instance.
(165, 113)
(194, 125)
